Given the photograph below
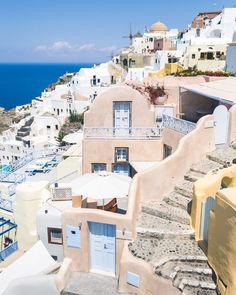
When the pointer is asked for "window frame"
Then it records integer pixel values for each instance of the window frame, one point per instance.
(92, 164)
(127, 154)
(50, 241)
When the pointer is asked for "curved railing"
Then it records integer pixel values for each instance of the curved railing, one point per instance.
(178, 125)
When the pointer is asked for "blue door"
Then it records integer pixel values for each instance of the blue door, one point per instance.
(102, 248)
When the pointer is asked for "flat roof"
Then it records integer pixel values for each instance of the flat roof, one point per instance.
(223, 90)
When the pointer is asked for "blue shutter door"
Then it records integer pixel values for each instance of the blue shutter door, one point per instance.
(102, 247)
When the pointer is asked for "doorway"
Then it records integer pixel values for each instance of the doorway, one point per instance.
(102, 248)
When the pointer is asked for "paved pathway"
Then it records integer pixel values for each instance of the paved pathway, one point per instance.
(90, 284)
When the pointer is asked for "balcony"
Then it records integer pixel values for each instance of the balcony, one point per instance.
(122, 133)
(179, 125)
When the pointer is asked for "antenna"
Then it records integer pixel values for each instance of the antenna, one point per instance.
(130, 36)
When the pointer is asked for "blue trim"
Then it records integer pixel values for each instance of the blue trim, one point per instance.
(11, 225)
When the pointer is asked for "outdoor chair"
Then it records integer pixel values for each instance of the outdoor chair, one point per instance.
(111, 206)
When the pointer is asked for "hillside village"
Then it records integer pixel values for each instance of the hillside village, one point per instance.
(121, 177)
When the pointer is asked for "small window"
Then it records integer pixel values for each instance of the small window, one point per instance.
(210, 55)
(97, 167)
(218, 54)
(167, 151)
(121, 168)
(61, 110)
(121, 154)
(48, 127)
(55, 236)
(99, 80)
(193, 56)
(56, 126)
(18, 148)
(202, 56)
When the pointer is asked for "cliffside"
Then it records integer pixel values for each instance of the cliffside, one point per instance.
(6, 118)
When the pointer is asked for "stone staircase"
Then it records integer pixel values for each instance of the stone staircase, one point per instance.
(165, 238)
(24, 130)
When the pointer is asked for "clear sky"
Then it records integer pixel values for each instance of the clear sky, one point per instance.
(82, 30)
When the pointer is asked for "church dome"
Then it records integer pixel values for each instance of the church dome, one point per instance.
(158, 27)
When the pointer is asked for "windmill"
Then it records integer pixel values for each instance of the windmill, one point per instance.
(130, 36)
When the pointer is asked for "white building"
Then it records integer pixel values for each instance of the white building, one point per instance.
(205, 48)
(146, 43)
(89, 82)
(162, 57)
(12, 150)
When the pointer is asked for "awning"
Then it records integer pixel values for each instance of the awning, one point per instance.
(141, 166)
(223, 90)
(35, 261)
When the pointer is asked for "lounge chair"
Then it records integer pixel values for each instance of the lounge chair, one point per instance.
(111, 206)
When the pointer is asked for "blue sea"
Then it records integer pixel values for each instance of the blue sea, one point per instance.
(20, 83)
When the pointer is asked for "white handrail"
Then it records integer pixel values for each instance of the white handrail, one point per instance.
(178, 125)
(127, 133)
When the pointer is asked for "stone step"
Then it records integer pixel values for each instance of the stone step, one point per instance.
(205, 166)
(177, 200)
(185, 188)
(150, 226)
(170, 269)
(223, 156)
(166, 211)
(189, 290)
(143, 248)
(193, 176)
(192, 286)
(160, 251)
(192, 275)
